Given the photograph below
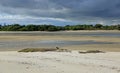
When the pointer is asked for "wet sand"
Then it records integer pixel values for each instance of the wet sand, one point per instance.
(104, 47)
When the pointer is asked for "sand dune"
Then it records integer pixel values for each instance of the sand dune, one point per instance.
(59, 62)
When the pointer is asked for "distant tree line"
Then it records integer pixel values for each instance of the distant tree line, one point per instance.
(18, 27)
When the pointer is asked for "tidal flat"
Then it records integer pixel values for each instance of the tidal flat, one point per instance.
(71, 57)
(75, 40)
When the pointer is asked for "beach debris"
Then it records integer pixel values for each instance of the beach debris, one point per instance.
(57, 49)
(91, 51)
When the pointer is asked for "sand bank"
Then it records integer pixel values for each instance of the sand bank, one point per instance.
(79, 38)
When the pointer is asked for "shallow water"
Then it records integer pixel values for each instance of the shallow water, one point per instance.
(107, 34)
(44, 43)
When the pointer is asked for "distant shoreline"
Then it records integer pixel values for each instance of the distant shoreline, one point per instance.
(68, 31)
(31, 27)
(94, 31)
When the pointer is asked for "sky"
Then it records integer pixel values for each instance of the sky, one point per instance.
(60, 12)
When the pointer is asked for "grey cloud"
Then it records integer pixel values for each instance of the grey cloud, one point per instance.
(66, 9)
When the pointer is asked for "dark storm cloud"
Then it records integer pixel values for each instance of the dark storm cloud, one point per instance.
(65, 9)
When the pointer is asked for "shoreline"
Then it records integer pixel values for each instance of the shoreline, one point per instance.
(68, 31)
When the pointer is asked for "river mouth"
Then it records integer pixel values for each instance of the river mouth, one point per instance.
(45, 43)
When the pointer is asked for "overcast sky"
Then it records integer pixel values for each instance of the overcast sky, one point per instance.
(60, 12)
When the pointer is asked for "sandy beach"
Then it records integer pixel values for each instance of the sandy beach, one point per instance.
(59, 36)
(59, 62)
(12, 61)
